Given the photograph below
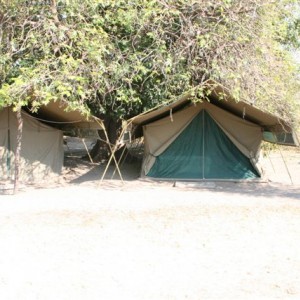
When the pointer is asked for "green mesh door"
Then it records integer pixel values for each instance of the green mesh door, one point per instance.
(202, 151)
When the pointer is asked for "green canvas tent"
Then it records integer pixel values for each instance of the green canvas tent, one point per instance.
(42, 151)
(206, 140)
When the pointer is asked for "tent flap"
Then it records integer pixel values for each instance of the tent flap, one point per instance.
(159, 135)
(202, 151)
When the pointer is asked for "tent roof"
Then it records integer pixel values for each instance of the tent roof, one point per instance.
(57, 113)
(244, 110)
(241, 109)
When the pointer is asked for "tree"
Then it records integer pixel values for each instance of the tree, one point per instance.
(291, 38)
(121, 57)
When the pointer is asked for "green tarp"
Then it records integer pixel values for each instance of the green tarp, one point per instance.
(202, 151)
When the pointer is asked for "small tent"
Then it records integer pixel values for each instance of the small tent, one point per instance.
(206, 140)
(42, 151)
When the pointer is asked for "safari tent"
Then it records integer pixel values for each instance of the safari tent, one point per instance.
(208, 139)
(42, 151)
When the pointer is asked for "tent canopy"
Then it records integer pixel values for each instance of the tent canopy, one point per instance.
(58, 113)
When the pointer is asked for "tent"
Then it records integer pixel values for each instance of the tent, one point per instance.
(207, 140)
(42, 147)
(42, 151)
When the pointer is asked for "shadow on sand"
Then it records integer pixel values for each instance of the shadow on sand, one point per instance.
(92, 174)
(255, 189)
(129, 172)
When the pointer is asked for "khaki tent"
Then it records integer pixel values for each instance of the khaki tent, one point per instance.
(207, 140)
(42, 150)
(42, 147)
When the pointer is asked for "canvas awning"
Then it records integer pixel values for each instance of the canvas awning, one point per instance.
(58, 114)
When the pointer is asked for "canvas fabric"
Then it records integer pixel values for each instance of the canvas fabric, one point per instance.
(41, 152)
(160, 134)
(211, 155)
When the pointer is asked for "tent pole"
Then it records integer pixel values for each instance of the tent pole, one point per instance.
(120, 159)
(109, 145)
(8, 155)
(287, 169)
(87, 150)
(113, 152)
(203, 148)
(107, 141)
(18, 149)
(112, 157)
(271, 161)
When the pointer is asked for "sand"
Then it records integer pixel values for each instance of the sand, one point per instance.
(78, 239)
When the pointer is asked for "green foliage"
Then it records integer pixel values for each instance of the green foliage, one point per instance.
(122, 58)
(290, 37)
(45, 58)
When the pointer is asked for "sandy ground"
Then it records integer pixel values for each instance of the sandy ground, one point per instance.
(78, 239)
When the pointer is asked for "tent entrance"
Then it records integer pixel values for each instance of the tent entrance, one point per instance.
(202, 151)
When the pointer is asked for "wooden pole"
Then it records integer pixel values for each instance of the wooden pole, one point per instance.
(8, 156)
(112, 156)
(113, 151)
(286, 167)
(87, 150)
(18, 149)
(119, 161)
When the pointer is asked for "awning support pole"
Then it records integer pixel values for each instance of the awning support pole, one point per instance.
(115, 148)
(87, 150)
(18, 150)
(287, 169)
(112, 157)
(8, 154)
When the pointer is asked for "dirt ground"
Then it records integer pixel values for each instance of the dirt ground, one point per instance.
(73, 237)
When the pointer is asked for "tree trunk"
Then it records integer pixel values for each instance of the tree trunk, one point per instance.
(18, 150)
